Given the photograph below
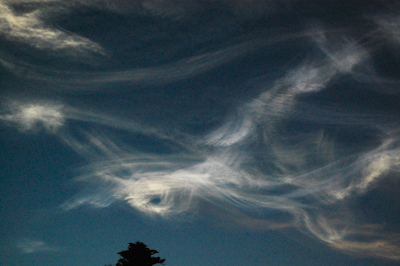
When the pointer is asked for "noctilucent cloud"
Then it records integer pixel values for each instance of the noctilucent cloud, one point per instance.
(226, 132)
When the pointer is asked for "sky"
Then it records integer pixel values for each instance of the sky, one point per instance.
(225, 132)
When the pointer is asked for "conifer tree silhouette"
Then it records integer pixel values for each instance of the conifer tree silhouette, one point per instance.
(138, 254)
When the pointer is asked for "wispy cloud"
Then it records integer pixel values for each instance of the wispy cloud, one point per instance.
(159, 75)
(309, 176)
(34, 246)
(390, 26)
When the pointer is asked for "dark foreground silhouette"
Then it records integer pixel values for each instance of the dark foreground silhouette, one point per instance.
(138, 254)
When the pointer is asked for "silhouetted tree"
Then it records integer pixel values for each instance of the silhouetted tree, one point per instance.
(138, 254)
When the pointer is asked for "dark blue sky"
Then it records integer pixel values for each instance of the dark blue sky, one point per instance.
(216, 132)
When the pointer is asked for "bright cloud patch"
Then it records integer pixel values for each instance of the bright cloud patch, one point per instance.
(31, 28)
(29, 116)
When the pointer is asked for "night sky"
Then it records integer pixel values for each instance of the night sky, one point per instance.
(223, 132)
